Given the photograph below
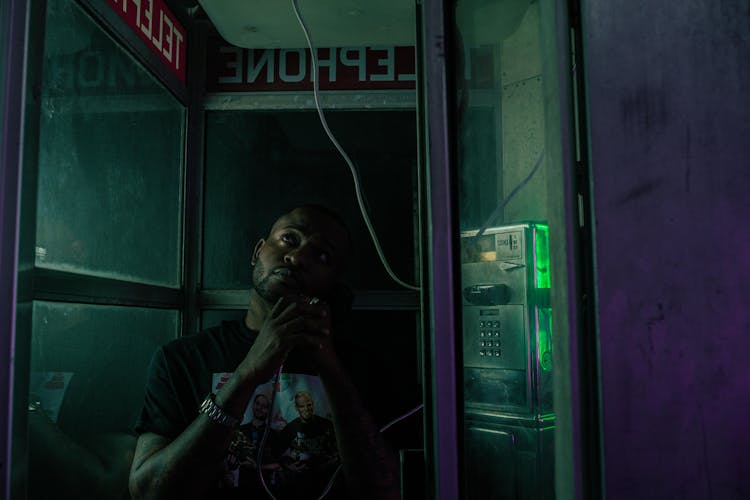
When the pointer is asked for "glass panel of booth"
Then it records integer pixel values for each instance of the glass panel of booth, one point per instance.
(109, 193)
(88, 372)
(108, 203)
(266, 162)
(509, 165)
(267, 153)
(389, 339)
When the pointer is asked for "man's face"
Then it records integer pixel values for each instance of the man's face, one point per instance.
(260, 407)
(304, 406)
(303, 255)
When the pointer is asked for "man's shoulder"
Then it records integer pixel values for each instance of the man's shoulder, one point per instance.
(217, 341)
(227, 331)
(321, 422)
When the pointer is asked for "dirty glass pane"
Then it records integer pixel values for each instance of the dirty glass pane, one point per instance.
(260, 164)
(110, 158)
(88, 372)
(509, 197)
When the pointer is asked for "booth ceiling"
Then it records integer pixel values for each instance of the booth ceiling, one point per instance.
(272, 23)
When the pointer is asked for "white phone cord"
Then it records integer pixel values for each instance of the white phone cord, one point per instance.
(352, 169)
(365, 216)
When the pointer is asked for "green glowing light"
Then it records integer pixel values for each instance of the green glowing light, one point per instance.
(542, 281)
(542, 275)
(544, 324)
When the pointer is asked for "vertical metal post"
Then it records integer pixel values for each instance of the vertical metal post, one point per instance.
(577, 461)
(585, 361)
(192, 228)
(441, 389)
(13, 15)
(21, 39)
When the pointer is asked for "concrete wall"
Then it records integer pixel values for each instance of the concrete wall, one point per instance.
(523, 120)
(669, 103)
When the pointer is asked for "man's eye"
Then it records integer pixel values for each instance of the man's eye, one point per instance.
(289, 238)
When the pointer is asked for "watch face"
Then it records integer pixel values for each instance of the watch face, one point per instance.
(35, 403)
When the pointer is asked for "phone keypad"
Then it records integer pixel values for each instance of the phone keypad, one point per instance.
(490, 339)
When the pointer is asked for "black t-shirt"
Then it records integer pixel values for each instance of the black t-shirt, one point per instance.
(181, 375)
(299, 458)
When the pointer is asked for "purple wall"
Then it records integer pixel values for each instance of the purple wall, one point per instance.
(669, 105)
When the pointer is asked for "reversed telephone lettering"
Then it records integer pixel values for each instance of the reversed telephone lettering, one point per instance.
(339, 68)
(155, 24)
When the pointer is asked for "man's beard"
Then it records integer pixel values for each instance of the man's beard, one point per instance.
(264, 284)
(261, 281)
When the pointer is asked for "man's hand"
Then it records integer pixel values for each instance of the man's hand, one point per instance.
(324, 357)
(291, 324)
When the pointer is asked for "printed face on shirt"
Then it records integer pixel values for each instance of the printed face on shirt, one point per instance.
(304, 405)
(260, 407)
(304, 254)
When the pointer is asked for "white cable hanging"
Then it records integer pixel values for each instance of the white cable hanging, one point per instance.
(352, 169)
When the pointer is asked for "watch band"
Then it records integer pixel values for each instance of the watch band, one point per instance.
(216, 413)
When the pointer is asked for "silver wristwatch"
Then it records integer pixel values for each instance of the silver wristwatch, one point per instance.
(216, 413)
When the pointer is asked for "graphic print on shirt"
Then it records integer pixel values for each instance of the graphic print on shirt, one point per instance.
(300, 454)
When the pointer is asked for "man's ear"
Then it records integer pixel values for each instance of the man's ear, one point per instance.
(256, 251)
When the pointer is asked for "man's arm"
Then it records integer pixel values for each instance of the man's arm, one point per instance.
(96, 466)
(161, 469)
(189, 465)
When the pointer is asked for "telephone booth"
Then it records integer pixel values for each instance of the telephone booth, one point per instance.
(546, 201)
(148, 144)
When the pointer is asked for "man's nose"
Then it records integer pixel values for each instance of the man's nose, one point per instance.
(296, 257)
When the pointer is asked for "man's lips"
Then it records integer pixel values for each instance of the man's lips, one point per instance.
(287, 275)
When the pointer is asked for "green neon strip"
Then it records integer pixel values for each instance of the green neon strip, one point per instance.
(541, 277)
(544, 319)
(542, 280)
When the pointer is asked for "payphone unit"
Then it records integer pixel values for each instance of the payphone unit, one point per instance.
(507, 350)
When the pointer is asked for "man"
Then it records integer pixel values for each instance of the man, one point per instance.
(261, 410)
(181, 451)
(307, 449)
(309, 439)
(246, 443)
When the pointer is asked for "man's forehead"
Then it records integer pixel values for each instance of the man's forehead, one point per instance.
(312, 222)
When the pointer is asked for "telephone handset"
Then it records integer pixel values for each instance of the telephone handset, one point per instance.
(340, 306)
